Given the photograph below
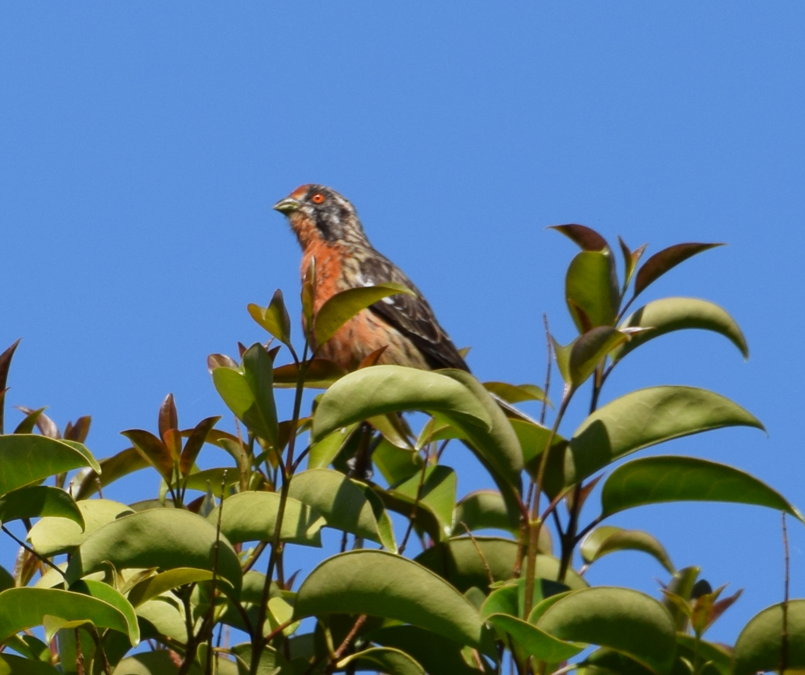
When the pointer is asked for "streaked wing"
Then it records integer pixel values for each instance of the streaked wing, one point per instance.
(410, 315)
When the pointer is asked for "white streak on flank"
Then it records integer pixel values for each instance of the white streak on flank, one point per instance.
(363, 282)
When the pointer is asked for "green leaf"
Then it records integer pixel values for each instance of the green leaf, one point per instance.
(384, 389)
(591, 290)
(515, 393)
(319, 374)
(486, 510)
(718, 655)
(646, 417)
(16, 665)
(607, 539)
(341, 307)
(23, 608)
(383, 584)
(341, 501)
(672, 314)
(162, 538)
(384, 660)
(533, 439)
(435, 653)
(585, 237)
(52, 536)
(323, 452)
(654, 480)
(438, 495)
(6, 579)
(104, 592)
(664, 260)
(248, 392)
(252, 516)
(630, 260)
(394, 463)
(39, 500)
(466, 562)
(85, 484)
(29, 458)
(619, 618)
(533, 641)
(160, 583)
(164, 615)
(274, 318)
(759, 645)
(159, 662)
(589, 350)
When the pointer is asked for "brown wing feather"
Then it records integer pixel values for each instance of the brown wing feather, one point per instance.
(411, 316)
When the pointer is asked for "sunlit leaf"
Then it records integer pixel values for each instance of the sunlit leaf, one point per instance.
(52, 536)
(437, 492)
(28, 424)
(86, 481)
(394, 463)
(319, 374)
(340, 501)
(585, 237)
(153, 586)
(647, 417)
(672, 314)
(162, 538)
(274, 318)
(252, 516)
(485, 510)
(106, 593)
(30, 458)
(608, 539)
(341, 307)
(620, 618)
(589, 350)
(591, 285)
(654, 480)
(515, 393)
(533, 641)
(664, 260)
(759, 646)
(359, 582)
(36, 501)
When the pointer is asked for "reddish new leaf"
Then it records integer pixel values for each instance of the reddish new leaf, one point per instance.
(586, 238)
(168, 416)
(5, 363)
(661, 262)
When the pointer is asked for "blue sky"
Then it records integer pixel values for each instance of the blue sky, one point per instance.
(141, 148)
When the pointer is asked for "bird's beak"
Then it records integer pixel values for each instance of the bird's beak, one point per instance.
(287, 205)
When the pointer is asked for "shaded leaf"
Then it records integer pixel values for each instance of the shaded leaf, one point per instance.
(608, 539)
(252, 516)
(394, 463)
(646, 417)
(85, 484)
(106, 593)
(759, 646)
(168, 416)
(29, 458)
(16, 665)
(341, 307)
(194, 444)
(324, 451)
(591, 290)
(153, 450)
(319, 374)
(159, 662)
(79, 430)
(5, 364)
(586, 237)
(533, 641)
(664, 260)
(486, 510)
(589, 350)
(384, 660)
(436, 653)
(343, 504)
(437, 494)
(672, 314)
(654, 480)
(162, 538)
(515, 393)
(619, 618)
(387, 585)
(274, 318)
(156, 585)
(37, 501)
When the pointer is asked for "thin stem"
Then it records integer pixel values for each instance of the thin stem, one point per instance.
(786, 584)
(32, 552)
(549, 345)
(338, 653)
(415, 507)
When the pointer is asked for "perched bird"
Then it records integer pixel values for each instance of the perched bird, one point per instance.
(328, 229)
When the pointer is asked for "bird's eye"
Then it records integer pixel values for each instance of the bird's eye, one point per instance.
(318, 198)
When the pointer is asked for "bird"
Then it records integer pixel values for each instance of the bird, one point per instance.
(405, 327)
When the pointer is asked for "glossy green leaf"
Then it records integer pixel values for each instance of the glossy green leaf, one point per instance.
(619, 618)
(425, 520)
(466, 562)
(646, 417)
(591, 290)
(387, 585)
(718, 655)
(160, 583)
(589, 350)
(162, 538)
(434, 652)
(85, 484)
(16, 665)
(585, 237)
(252, 516)
(106, 593)
(654, 480)
(533, 641)
(608, 539)
(341, 502)
(28, 424)
(164, 616)
(319, 374)
(274, 318)
(515, 393)
(533, 439)
(248, 392)
(384, 389)
(323, 452)
(394, 463)
(36, 501)
(672, 314)
(52, 536)
(384, 660)
(664, 260)
(485, 510)
(437, 492)
(271, 661)
(509, 597)
(23, 608)
(341, 307)
(759, 645)
(30, 458)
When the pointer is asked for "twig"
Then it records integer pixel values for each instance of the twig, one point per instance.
(480, 553)
(549, 345)
(784, 635)
(32, 552)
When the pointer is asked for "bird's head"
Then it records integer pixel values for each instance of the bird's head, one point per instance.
(319, 213)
